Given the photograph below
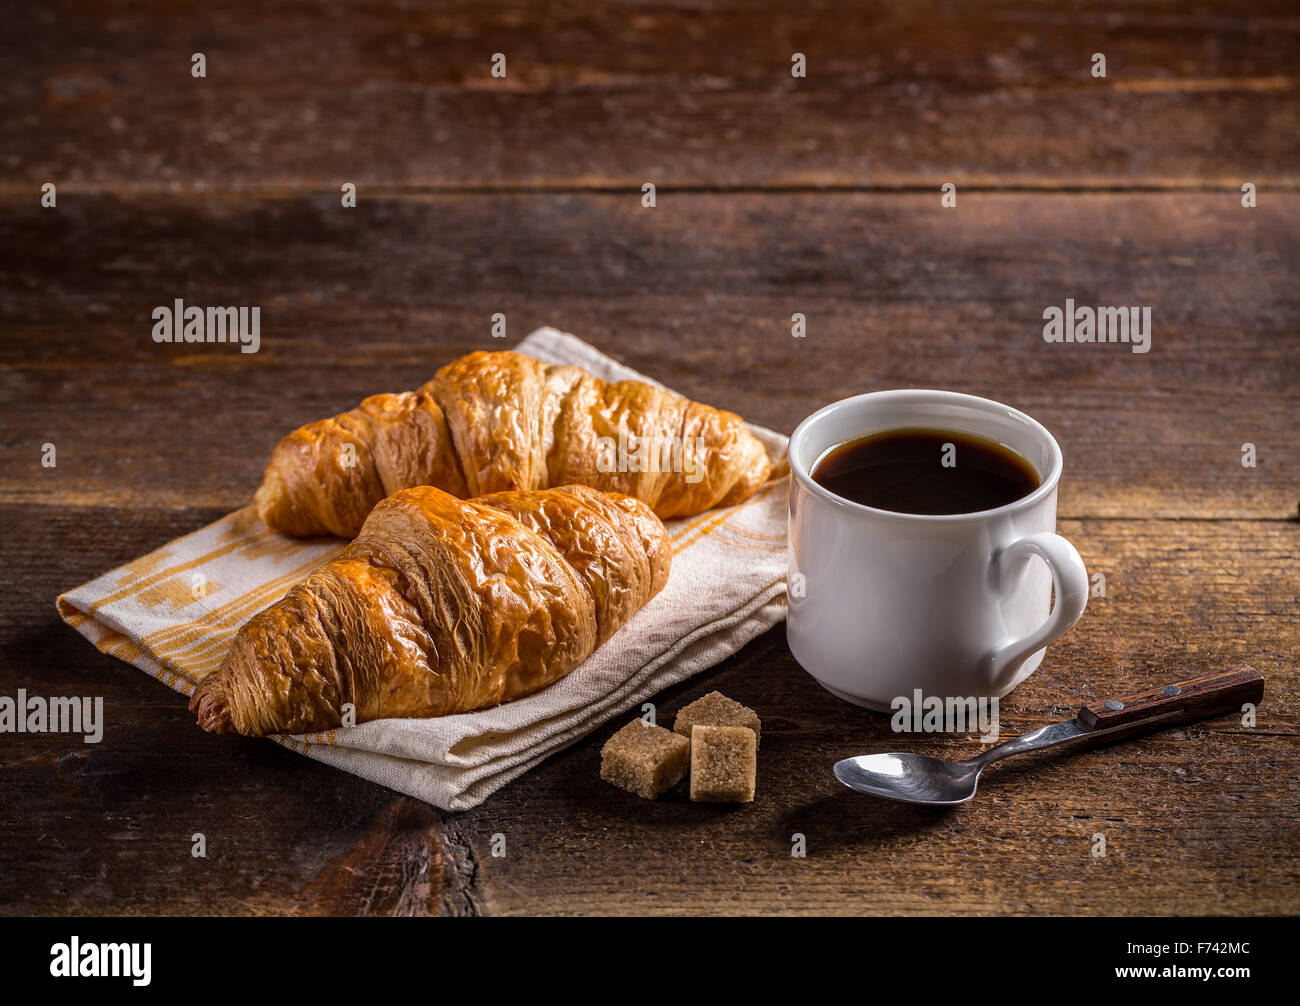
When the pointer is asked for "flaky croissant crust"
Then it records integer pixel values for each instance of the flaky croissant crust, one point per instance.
(490, 422)
(442, 606)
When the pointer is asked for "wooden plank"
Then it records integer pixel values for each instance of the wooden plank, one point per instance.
(1201, 819)
(698, 292)
(617, 94)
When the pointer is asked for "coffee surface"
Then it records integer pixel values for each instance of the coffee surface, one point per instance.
(923, 471)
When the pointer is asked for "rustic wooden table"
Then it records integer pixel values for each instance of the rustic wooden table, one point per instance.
(775, 195)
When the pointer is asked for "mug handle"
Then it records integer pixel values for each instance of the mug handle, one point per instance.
(1069, 577)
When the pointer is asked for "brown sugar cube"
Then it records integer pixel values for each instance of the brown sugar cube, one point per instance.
(724, 764)
(645, 760)
(716, 710)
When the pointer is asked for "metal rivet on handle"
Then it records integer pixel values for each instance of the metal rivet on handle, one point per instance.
(1114, 705)
(1172, 690)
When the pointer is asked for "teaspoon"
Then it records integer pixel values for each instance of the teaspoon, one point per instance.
(915, 778)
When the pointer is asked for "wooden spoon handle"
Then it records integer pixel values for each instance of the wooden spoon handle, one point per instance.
(1195, 698)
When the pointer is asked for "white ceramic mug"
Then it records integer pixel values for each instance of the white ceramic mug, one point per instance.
(883, 603)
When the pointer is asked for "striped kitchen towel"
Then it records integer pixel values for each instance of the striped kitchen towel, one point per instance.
(173, 612)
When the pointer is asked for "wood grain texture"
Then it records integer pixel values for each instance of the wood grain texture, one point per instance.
(613, 94)
(699, 292)
(776, 195)
(1198, 819)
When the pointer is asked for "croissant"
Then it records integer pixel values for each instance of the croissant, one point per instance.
(441, 606)
(489, 422)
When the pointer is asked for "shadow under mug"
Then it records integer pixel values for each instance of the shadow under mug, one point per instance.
(884, 603)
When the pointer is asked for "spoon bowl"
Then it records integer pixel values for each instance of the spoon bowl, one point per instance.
(911, 778)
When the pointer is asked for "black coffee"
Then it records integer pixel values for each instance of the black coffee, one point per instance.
(926, 472)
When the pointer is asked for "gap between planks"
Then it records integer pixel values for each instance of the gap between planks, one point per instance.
(416, 190)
